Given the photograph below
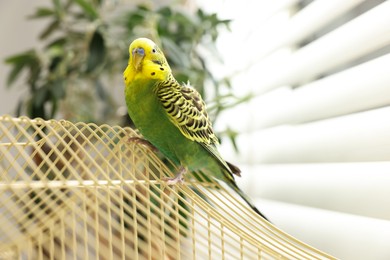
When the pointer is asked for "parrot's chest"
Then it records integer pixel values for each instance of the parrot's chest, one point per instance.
(142, 104)
(149, 117)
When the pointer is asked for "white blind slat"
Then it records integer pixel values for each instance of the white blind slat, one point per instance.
(359, 137)
(304, 23)
(354, 188)
(359, 88)
(351, 236)
(370, 31)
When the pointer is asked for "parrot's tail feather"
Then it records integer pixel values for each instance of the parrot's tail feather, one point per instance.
(235, 170)
(247, 199)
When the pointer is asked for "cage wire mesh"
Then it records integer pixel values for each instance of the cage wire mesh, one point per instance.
(82, 191)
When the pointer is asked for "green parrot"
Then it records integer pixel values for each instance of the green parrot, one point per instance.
(173, 117)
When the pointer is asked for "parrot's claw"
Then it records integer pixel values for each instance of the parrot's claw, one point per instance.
(178, 178)
(174, 180)
(144, 142)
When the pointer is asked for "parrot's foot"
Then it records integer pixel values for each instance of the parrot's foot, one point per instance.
(144, 142)
(178, 178)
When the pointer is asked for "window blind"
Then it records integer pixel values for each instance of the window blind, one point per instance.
(314, 142)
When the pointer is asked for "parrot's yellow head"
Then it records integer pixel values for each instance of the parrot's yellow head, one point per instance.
(146, 61)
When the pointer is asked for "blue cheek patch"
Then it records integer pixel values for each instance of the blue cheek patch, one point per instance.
(139, 51)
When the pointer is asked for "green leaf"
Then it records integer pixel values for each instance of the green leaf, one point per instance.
(35, 70)
(134, 19)
(19, 107)
(232, 135)
(42, 12)
(36, 107)
(165, 11)
(174, 53)
(40, 96)
(35, 112)
(55, 61)
(27, 59)
(97, 51)
(18, 67)
(54, 107)
(88, 8)
(234, 143)
(60, 42)
(101, 92)
(143, 7)
(49, 29)
(57, 5)
(57, 89)
(24, 57)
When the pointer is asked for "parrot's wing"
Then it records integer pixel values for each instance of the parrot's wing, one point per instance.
(187, 111)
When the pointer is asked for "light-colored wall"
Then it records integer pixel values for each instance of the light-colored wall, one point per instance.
(17, 34)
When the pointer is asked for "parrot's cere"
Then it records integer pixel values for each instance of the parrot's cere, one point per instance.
(173, 117)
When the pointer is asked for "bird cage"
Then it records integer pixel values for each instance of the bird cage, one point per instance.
(82, 191)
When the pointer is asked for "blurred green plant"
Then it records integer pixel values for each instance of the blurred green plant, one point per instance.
(85, 50)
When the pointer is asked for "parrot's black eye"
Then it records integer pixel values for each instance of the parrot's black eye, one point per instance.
(154, 50)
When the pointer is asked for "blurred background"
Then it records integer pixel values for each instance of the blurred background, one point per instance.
(299, 92)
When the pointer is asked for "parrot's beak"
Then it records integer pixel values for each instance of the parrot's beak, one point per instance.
(138, 55)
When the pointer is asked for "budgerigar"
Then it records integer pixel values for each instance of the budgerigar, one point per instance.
(173, 117)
